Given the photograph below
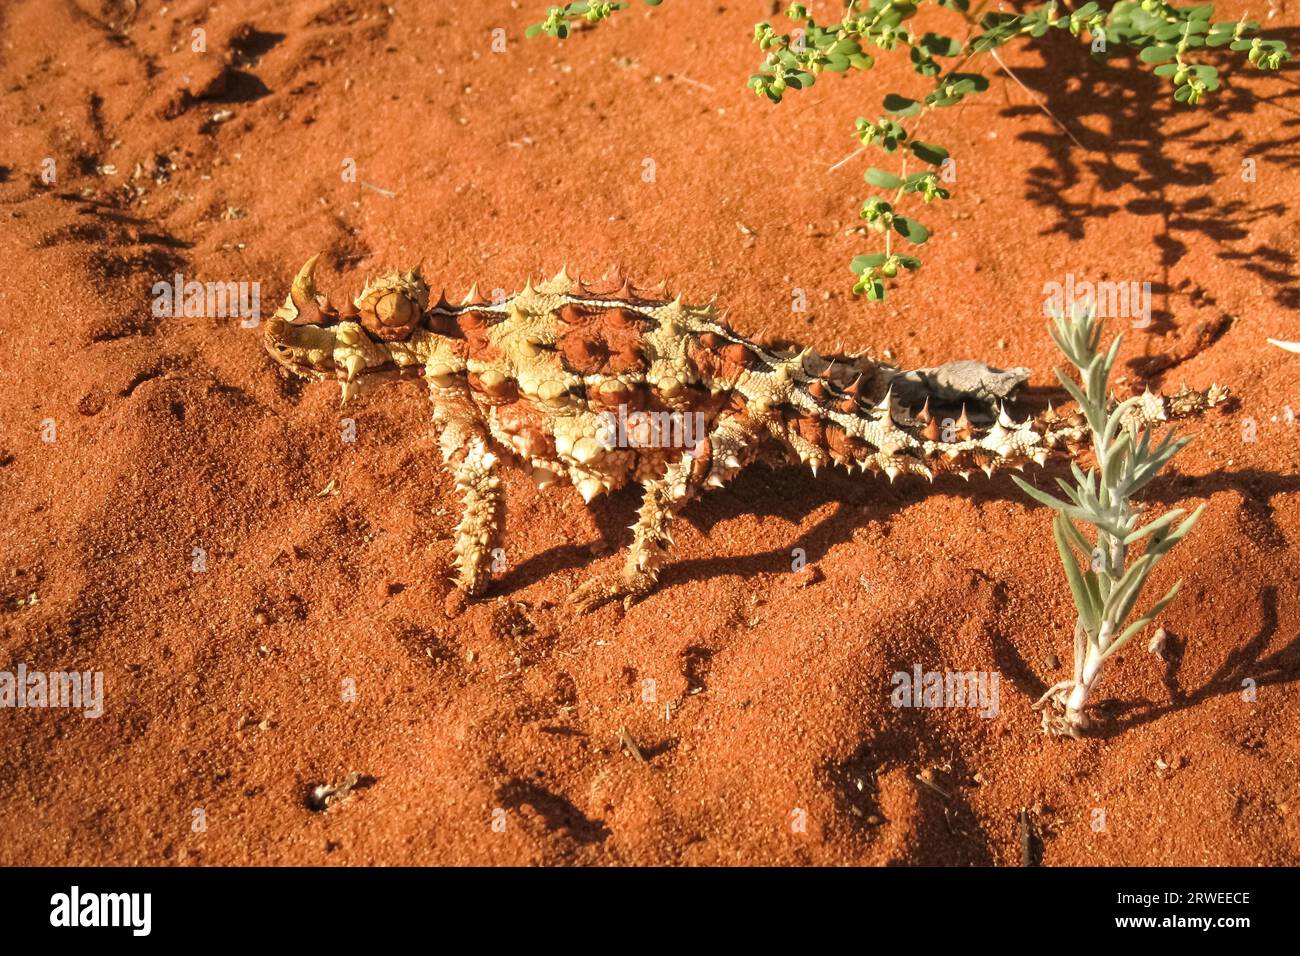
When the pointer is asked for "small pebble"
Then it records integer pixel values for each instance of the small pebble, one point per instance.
(808, 576)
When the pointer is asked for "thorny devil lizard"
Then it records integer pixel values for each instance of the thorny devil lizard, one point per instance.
(602, 386)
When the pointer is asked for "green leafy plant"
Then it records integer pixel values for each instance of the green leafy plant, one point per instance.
(1106, 591)
(1169, 37)
(558, 19)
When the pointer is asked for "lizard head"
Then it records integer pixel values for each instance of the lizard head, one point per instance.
(368, 343)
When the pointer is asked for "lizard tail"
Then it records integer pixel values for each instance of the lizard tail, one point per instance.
(855, 413)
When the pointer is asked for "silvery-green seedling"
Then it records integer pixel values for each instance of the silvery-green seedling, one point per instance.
(1106, 591)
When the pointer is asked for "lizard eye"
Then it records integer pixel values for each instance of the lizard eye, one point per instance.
(391, 305)
(390, 316)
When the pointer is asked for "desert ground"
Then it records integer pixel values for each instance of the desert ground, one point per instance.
(270, 605)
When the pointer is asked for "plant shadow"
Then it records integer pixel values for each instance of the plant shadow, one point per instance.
(1121, 118)
(1245, 663)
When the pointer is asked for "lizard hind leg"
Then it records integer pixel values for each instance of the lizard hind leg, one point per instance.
(730, 444)
(662, 499)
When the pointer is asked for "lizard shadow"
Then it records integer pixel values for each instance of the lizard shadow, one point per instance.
(790, 495)
(781, 496)
(757, 491)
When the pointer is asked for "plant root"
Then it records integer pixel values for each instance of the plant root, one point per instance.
(1059, 718)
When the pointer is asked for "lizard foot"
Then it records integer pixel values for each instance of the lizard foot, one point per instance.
(596, 591)
(473, 583)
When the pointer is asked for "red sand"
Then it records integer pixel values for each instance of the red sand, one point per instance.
(224, 687)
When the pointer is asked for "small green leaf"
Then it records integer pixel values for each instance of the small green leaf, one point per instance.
(929, 153)
(936, 44)
(1160, 53)
(911, 230)
(882, 178)
(1083, 596)
(1042, 497)
(923, 63)
(861, 264)
(902, 105)
(1142, 621)
(971, 82)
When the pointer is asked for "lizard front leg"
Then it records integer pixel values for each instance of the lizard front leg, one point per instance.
(466, 454)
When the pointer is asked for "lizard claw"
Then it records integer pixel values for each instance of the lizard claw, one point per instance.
(473, 583)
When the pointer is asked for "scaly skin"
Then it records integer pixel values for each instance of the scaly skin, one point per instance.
(544, 376)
